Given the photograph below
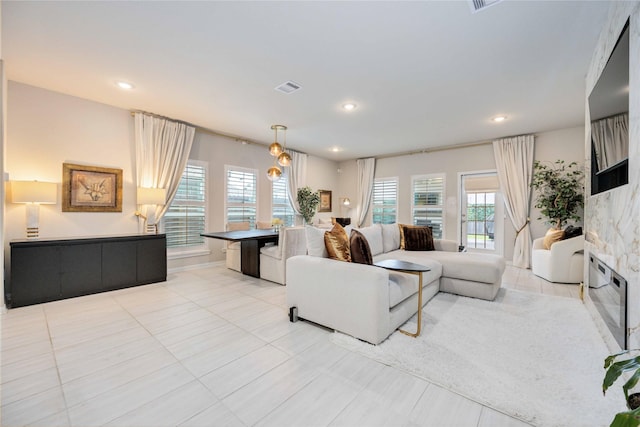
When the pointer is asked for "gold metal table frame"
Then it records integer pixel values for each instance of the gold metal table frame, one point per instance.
(409, 268)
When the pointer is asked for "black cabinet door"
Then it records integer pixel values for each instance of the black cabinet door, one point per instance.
(118, 264)
(81, 269)
(35, 276)
(152, 260)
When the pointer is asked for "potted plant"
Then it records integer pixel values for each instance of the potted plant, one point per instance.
(308, 201)
(560, 191)
(615, 368)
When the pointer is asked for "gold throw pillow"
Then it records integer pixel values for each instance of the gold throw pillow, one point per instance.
(337, 243)
(552, 236)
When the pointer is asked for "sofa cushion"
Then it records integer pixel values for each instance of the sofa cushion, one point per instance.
(553, 235)
(390, 237)
(337, 243)
(360, 250)
(401, 228)
(484, 268)
(418, 239)
(373, 234)
(315, 242)
(403, 285)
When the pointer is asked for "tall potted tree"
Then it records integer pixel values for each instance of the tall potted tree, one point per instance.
(560, 191)
(308, 201)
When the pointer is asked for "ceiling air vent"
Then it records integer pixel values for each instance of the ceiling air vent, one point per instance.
(478, 5)
(288, 87)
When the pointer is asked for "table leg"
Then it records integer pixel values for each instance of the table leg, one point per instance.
(417, 333)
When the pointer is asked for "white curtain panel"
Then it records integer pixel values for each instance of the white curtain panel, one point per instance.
(611, 140)
(514, 161)
(296, 177)
(366, 169)
(162, 151)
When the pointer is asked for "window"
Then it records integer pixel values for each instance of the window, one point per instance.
(427, 207)
(280, 206)
(241, 195)
(385, 200)
(185, 218)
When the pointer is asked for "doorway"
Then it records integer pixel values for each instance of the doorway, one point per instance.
(481, 213)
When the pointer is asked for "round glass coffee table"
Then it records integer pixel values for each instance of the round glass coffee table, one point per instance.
(410, 268)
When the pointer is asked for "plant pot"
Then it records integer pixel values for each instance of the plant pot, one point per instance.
(633, 401)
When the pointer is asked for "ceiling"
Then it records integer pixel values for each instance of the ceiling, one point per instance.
(423, 74)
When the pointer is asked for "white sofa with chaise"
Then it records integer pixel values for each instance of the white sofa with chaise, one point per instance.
(370, 302)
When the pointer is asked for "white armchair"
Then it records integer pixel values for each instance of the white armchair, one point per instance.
(563, 263)
(233, 248)
(273, 259)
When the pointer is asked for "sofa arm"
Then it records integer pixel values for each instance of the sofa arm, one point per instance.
(351, 298)
(568, 246)
(445, 245)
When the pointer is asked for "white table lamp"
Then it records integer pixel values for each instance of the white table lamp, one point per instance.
(151, 197)
(33, 194)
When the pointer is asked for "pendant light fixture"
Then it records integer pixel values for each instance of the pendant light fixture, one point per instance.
(282, 158)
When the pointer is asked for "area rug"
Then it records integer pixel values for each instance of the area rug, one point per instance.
(537, 358)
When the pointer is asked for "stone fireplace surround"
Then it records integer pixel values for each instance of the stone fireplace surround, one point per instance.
(612, 218)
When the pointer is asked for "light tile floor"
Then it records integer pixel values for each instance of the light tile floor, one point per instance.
(211, 347)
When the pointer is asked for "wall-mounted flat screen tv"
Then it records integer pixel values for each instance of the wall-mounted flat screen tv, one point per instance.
(609, 115)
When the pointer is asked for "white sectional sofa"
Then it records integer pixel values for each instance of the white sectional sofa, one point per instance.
(370, 302)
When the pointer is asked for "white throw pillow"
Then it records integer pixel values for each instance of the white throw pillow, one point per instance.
(390, 237)
(315, 242)
(373, 234)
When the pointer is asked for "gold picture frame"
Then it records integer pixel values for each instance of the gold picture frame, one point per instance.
(325, 201)
(91, 189)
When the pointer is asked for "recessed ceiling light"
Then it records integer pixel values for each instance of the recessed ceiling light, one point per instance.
(350, 106)
(124, 85)
(499, 119)
(336, 149)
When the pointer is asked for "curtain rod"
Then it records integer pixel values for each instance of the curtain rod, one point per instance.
(443, 148)
(434, 149)
(204, 130)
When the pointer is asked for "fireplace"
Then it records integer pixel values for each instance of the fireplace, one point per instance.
(609, 294)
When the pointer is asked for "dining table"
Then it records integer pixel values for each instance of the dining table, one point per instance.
(250, 243)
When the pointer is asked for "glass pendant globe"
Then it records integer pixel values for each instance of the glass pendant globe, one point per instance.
(284, 159)
(274, 173)
(275, 149)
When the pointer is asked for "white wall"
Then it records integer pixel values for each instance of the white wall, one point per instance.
(46, 129)
(566, 144)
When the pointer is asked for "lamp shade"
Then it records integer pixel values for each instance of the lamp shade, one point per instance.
(34, 192)
(152, 196)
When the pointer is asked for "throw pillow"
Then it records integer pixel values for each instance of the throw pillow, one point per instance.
(373, 233)
(553, 235)
(337, 243)
(402, 228)
(390, 237)
(315, 242)
(572, 231)
(418, 239)
(360, 250)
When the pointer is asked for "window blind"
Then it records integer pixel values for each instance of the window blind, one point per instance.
(241, 195)
(186, 216)
(385, 200)
(428, 202)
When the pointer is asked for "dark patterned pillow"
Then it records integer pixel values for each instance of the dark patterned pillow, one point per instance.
(418, 239)
(572, 231)
(360, 250)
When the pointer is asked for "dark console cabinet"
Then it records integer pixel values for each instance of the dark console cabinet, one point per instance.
(48, 270)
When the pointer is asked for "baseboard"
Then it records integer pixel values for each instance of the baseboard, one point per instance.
(196, 266)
